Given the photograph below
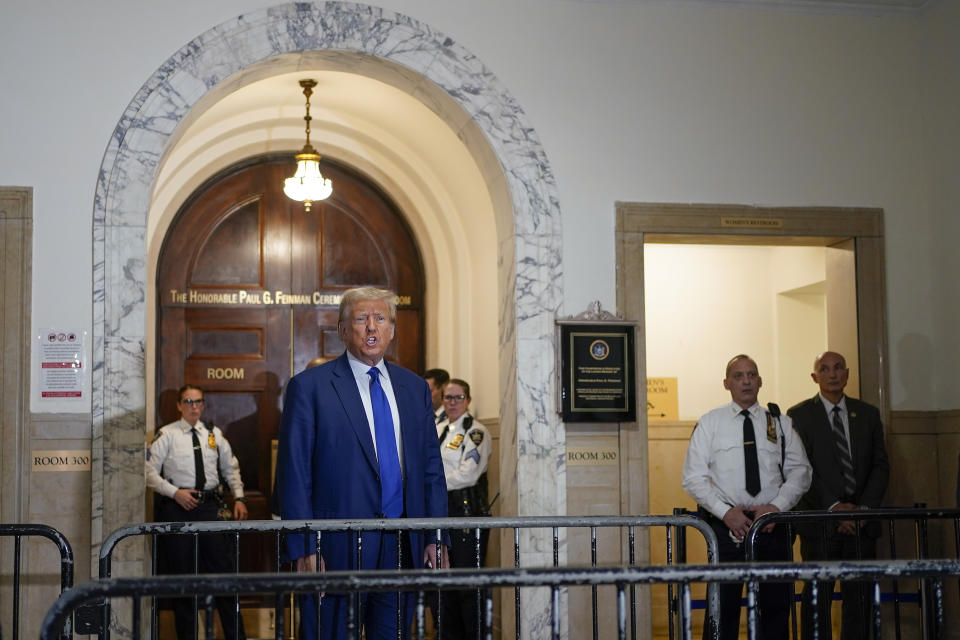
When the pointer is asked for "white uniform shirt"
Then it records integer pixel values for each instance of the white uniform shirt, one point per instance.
(465, 453)
(171, 454)
(713, 473)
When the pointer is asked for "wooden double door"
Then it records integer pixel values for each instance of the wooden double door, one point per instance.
(248, 287)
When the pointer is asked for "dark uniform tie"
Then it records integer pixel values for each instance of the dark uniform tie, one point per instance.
(391, 480)
(750, 463)
(846, 462)
(201, 477)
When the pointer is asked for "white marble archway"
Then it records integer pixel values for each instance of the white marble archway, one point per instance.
(522, 187)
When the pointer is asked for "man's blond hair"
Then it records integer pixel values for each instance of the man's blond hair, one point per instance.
(358, 294)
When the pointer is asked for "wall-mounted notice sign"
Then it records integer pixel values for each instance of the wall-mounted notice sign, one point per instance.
(597, 372)
(61, 363)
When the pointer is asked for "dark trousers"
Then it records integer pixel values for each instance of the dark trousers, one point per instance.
(378, 609)
(857, 595)
(773, 598)
(460, 615)
(215, 556)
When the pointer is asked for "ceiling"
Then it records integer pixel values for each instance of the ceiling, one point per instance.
(861, 7)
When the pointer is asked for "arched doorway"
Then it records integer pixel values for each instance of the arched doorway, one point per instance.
(250, 287)
(516, 192)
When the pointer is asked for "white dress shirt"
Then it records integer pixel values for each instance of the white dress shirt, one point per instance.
(844, 417)
(363, 379)
(713, 472)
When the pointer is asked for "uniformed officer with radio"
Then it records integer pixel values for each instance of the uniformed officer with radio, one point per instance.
(465, 449)
(744, 461)
(185, 464)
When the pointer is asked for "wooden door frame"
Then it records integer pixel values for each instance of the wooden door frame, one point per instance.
(637, 223)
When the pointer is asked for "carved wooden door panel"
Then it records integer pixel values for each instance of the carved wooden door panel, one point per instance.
(248, 285)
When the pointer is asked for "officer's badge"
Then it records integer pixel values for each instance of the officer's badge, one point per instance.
(477, 436)
(455, 442)
(771, 430)
(211, 441)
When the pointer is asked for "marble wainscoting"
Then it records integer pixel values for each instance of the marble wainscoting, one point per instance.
(508, 153)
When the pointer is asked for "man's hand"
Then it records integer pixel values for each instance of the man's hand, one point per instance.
(186, 498)
(846, 527)
(308, 564)
(239, 510)
(737, 522)
(759, 510)
(430, 556)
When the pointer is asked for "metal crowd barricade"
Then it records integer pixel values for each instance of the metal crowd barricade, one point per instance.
(931, 609)
(421, 581)
(436, 527)
(17, 532)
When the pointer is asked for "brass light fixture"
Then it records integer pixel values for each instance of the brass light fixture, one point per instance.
(308, 185)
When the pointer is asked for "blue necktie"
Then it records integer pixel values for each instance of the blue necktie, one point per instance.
(391, 481)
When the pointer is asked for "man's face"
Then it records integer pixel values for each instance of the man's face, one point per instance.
(743, 382)
(367, 330)
(831, 373)
(191, 405)
(455, 401)
(436, 392)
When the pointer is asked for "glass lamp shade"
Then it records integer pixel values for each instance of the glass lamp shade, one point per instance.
(308, 184)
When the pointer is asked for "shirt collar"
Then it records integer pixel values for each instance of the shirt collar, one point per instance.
(459, 421)
(360, 368)
(185, 426)
(754, 409)
(829, 405)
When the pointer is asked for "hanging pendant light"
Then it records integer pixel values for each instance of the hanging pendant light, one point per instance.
(308, 185)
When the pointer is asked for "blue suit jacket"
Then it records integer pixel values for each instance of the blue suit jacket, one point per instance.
(327, 465)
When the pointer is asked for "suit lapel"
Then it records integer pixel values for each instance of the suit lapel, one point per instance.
(346, 387)
(404, 409)
(853, 419)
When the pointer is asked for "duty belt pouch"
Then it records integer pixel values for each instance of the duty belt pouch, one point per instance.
(224, 512)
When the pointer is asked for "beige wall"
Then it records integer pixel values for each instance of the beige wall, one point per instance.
(706, 303)
(660, 102)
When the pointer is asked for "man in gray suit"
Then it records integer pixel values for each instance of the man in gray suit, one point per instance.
(844, 442)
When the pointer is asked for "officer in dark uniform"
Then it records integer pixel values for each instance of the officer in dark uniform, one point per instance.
(465, 449)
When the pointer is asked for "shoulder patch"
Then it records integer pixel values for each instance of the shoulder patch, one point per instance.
(476, 436)
(157, 436)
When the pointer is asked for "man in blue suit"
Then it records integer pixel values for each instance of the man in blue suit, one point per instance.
(358, 440)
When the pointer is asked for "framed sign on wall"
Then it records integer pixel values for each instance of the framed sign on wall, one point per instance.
(597, 369)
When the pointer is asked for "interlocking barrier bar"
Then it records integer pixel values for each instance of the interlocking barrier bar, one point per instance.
(19, 531)
(931, 615)
(436, 528)
(555, 579)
